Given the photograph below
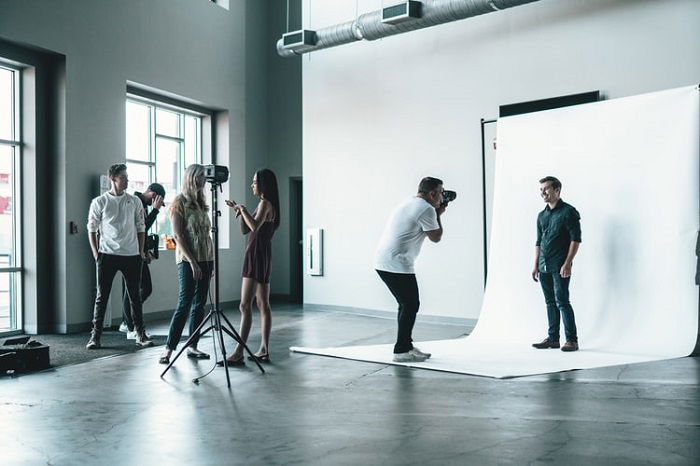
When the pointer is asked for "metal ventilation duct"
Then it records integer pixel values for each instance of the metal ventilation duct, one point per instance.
(369, 26)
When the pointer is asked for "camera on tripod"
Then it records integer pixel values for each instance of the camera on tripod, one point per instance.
(216, 174)
(447, 197)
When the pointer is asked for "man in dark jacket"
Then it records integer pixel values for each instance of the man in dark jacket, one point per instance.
(153, 196)
(558, 240)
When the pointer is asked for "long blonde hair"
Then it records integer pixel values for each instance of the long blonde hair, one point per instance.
(191, 195)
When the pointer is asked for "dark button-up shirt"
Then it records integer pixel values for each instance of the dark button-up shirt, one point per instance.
(556, 229)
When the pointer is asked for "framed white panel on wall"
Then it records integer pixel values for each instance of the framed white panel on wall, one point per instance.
(314, 251)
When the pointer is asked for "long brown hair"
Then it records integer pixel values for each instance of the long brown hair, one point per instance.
(192, 195)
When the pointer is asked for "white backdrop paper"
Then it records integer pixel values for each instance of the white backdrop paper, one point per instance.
(630, 166)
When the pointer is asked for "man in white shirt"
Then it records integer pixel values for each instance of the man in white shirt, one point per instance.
(118, 218)
(409, 224)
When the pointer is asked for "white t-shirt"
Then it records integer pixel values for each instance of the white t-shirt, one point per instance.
(118, 219)
(404, 234)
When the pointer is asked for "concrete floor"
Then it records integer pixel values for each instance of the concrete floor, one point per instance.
(310, 410)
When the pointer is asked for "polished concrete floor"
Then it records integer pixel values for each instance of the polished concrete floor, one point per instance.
(309, 410)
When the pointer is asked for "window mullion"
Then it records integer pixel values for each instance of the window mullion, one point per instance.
(9, 142)
(181, 146)
(152, 156)
(139, 162)
(170, 138)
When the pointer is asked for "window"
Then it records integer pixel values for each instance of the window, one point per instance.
(161, 141)
(10, 232)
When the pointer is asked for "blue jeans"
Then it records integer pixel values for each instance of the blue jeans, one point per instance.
(191, 301)
(556, 296)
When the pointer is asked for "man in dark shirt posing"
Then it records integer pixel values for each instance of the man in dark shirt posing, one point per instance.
(153, 196)
(558, 240)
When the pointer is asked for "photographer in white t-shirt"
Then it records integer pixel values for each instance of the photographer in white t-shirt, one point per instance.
(409, 224)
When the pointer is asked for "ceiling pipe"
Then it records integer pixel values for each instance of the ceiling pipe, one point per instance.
(369, 26)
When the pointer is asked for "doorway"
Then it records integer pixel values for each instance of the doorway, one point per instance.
(296, 240)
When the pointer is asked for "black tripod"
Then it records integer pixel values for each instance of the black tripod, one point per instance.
(216, 315)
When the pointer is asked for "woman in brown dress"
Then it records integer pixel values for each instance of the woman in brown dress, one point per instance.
(260, 226)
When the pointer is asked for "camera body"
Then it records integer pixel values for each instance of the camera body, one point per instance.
(216, 174)
(447, 197)
(151, 245)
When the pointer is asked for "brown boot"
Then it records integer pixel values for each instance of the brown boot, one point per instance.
(142, 339)
(546, 343)
(570, 346)
(94, 342)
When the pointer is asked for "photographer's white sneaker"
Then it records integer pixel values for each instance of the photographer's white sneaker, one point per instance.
(124, 329)
(418, 352)
(409, 356)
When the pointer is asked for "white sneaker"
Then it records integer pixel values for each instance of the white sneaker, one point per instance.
(408, 356)
(134, 336)
(418, 352)
(124, 329)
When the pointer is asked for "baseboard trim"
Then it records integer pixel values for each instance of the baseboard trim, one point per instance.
(423, 318)
(283, 299)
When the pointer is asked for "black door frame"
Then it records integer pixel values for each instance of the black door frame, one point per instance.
(296, 234)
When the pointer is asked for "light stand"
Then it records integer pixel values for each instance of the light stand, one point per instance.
(216, 316)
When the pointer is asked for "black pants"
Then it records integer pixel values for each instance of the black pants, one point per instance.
(145, 287)
(107, 267)
(405, 289)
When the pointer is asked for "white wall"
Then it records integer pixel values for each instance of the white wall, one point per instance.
(192, 48)
(380, 115)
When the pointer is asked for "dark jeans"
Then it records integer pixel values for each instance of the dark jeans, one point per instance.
(107, 267)
(146, 288)
(191, 301)
(405, 289)
(556, 295)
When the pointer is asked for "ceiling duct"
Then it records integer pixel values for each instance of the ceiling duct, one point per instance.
(369, 26)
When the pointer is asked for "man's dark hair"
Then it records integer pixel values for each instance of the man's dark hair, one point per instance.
(157, 188)
(428, 184)
(116, 169)
(556, 184)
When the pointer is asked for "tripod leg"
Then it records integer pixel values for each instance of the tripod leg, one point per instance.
(226, 320)
(236, 336)
(219, 327)
(188, 343)
(230, 333)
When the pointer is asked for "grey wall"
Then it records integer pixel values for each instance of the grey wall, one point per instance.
(380, 115)
(190, 48)
(285, 136)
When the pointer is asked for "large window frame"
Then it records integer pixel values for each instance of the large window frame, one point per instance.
(11, 265)
(186, 137)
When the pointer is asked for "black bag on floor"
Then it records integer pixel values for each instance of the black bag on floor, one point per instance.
(22, 355)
